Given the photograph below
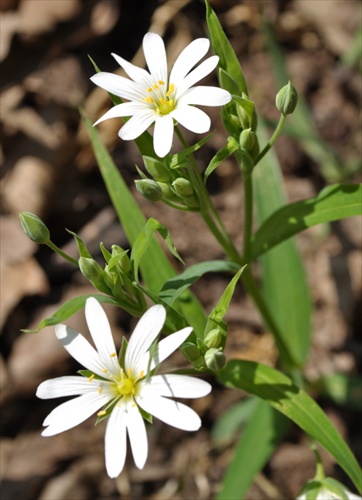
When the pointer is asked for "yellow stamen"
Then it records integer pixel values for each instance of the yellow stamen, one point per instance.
(91, 377)
(171, 89)
(149, 99)
(101, 413)
(100, 390)
(113, 354)
(161, 82)
(149, 89)
(142, 374)
(155, 86)
(104, 370)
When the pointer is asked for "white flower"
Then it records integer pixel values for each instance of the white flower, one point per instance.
(156, 98)
(122, 388)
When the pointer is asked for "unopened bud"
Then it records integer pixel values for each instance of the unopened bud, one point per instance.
(34, 228)
(247, 139)
(124, 261)
(157, 169)
(215, 359)
(167, 191)
(326, 488)
(286, 99)
(149, 189)
(183, 187)
(94, 273)
(213, 338)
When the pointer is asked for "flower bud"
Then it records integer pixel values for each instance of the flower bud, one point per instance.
(34, 228)
(149, 189)
(157, 169)
(183, 187)
(215, 359)
(326, 488)
(124, 261)
(94, 273)
(213, 338)
(247, 139)
(191, 201)
(286, 99)
(167, 191)
(246, 114)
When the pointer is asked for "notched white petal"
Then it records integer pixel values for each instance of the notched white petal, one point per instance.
(115, 442)
(163, 135)
(193, 119)
(176, 386)
(137, 434)
(167, 346)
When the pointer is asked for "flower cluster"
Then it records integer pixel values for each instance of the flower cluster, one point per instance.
(125, 388)
(159, 98)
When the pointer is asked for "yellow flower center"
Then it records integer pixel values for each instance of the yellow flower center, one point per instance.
(162, 100)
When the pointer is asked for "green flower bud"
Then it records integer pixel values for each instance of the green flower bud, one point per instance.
(183, 187)
(246, 113)
(191, 201)
(124, 261)
(149, 189)
(157, 169)
(90, 269)
(190, 351)
(34, 228)
(286, 99)
(213, 338)
(215, 359)
(247, 139)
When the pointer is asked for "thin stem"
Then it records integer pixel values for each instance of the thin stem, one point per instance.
(248, 214)
(273, 138)
(60, 252)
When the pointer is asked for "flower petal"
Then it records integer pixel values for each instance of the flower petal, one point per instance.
(181, 386)
(80, 349)
(124, 109)
(118, 85)
(190, 56)
(163, 134)
(137, 74)
(171, 412)
(115, 441)
(192, 118)
(137, 125)
(206, 96)
(155, 54)
(167, 346)
(73, 412)
(146, 331)
(100, 330)
(137, 434)
(65, 386)
(197, 74)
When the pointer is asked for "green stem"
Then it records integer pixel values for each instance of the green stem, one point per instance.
(60, 252)
(248, 214)
(273, 138)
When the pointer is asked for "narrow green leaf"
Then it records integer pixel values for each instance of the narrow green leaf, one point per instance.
(221, 308)
(285, 286)
(71, 307)
(144, 240)
(222, 47)
(231, 146)
(263, 433)
(178, 159)
(175, 286)
(334, 202)
(155, 267)
(283, 395)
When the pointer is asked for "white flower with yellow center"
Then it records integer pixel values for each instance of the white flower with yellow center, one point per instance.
(155, 97)
(120, 388)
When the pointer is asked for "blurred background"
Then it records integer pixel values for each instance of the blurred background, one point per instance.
(48, 168)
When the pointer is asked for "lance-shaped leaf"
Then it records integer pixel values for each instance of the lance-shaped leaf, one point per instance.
(286, 397)
(334, 202)
(231, 146)
(222, 47)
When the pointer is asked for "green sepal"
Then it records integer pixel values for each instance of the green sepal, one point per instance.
(178, 160)
(82, 248)
(122, 352)
(106, 254)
